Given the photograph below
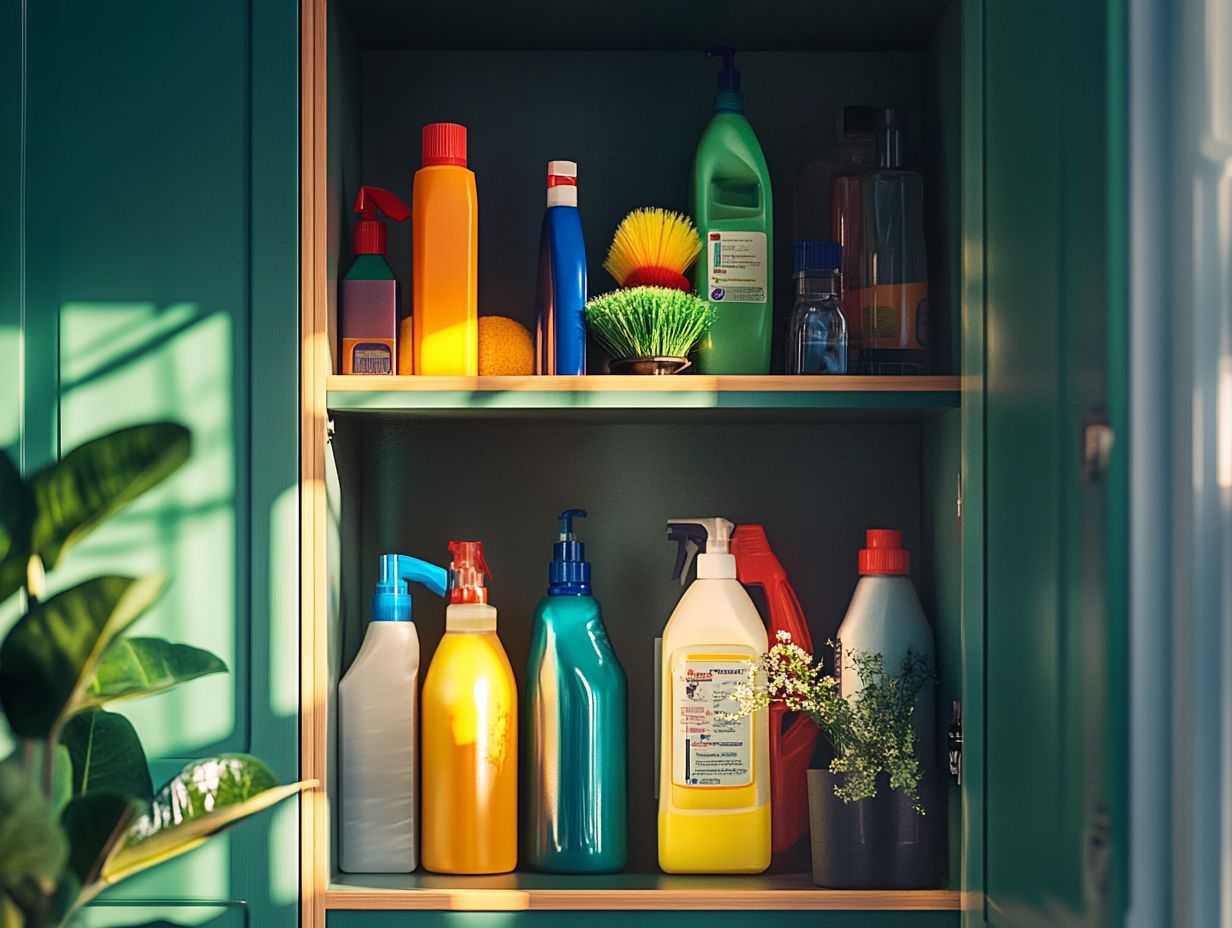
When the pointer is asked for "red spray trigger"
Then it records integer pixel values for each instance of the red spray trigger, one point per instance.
(466, 572)
(370, 231)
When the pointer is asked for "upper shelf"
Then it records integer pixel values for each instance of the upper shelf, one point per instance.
(380, 394)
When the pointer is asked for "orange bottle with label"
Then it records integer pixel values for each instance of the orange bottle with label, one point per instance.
(444, 256)
(469, 726)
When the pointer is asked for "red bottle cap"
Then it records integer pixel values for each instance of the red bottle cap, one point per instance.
(444, 143)
(885, 554)
(466, 572)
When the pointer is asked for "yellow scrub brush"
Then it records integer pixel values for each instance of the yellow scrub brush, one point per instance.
(653, 248)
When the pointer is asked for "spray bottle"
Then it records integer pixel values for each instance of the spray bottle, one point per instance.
(376, 721)
(369, 290)
(576, 710)
(470, 733)
(714, 770)
(792, 736)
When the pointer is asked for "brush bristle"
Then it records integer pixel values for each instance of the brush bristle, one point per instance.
(645, 322)
(652, 238)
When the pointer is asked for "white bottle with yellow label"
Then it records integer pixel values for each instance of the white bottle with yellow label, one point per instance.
(714, 772)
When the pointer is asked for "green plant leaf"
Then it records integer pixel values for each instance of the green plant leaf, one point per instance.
(96, 825)
(106, 755)
(52, 651)
(32, 846)
(136, 667)
(16, 522)
(204, 798)
(99, 478)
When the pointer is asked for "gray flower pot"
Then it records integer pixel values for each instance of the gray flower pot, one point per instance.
(877, 843)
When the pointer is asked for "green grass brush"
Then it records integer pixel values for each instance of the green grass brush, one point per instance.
(648, 322)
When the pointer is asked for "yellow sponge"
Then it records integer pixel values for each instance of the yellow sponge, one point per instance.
(505, 347)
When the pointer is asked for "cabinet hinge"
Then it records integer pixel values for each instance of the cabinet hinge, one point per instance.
(329, 431)
(954, 739)
(958, 499)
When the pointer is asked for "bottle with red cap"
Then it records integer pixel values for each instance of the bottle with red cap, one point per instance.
(369, 291)
(444, 256)
(560, 294)
(469, 727)
(885, 617)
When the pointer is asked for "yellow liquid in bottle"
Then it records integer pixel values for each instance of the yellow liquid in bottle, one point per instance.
(470, 758)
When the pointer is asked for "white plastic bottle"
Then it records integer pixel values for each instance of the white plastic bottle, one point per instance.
(714, 772)
(377, 736)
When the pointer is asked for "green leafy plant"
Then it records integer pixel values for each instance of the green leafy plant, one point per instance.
(78, 812)
(870, 731)
(645, 322)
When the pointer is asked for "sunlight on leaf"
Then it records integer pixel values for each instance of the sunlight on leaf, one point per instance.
(52, 651)
(206, 797)
(136, 667)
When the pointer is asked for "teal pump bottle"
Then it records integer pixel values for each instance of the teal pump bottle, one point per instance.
(576, 709)
(734, 210)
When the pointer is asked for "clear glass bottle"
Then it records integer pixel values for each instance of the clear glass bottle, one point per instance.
(817, 336)
(894, 280)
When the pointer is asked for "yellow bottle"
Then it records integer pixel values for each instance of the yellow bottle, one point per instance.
(469, 726)
(444, 256)
(714, 771)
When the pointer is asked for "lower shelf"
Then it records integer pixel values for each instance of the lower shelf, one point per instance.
(624, 891)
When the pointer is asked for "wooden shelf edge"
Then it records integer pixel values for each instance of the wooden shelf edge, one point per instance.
(517, 900)
(368, 383)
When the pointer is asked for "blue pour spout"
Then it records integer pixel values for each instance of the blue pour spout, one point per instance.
(569, 572)
(392, 600)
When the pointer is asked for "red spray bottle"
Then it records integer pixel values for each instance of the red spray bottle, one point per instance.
(792, 736)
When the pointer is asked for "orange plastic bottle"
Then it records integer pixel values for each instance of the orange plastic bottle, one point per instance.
(469, 726)
(444, 256)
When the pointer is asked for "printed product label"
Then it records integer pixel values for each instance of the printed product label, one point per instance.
(894, 316)
(708, 749)
(737, 267)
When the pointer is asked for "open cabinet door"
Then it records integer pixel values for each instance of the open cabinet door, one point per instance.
(1055, 484)
(156, 220)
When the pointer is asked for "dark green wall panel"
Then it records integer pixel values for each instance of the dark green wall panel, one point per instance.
(158, 260)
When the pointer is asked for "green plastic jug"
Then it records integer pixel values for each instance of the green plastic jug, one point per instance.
(734, 209)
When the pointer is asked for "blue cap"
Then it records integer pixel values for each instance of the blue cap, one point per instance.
(569, 572)
(392, 600)
(818, 256)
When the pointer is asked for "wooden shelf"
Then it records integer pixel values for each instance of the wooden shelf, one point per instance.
(377, 394)
(624, 891)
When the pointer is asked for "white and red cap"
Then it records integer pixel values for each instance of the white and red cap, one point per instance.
(562, 183)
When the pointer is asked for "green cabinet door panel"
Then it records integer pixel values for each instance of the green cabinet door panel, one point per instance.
(1055, 719)
(674, 919)
(103, 915)
(157, 224)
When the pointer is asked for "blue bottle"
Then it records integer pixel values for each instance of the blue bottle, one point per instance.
(560, 323)
(576, 708)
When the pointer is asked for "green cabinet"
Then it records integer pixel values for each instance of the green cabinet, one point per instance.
(149, 267)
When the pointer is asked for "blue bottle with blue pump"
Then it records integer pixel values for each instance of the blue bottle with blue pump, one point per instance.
(560, 296)
(377, 736)
(576, 710)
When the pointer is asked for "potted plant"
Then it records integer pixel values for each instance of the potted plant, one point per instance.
(78, 812)
(865, 805)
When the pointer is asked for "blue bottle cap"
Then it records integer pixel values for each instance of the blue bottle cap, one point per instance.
(392, 600)
(818, 256)
(569, 572)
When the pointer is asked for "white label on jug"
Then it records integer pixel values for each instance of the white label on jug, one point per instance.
(709, 748)
(738, 266)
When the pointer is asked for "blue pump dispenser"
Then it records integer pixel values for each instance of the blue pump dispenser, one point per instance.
(569, 572)
(392, 600)
(727, 98)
